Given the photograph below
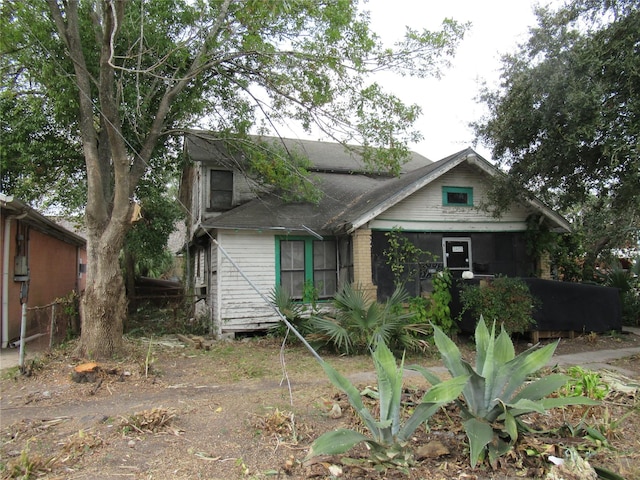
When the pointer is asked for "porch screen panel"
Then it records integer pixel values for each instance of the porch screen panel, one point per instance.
(325, 268)
(292, 267)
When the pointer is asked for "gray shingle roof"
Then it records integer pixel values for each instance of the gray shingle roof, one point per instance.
(346, 198)
(324, 156)
(351, 196)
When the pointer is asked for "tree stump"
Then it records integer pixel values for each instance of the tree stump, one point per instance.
(85, 373)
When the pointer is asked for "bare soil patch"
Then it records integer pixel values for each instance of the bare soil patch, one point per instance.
(249, 409)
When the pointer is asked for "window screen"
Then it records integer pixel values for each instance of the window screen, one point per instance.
(292, 267)
(221, 189)
(324, 268)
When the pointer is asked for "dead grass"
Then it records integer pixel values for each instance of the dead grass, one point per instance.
(246, 409)
(149, 421)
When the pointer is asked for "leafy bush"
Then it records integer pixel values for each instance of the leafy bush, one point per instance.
(358, 323)
(389, 435)
(628, 284)
(435, 309)
(440, 312)
(498, 392)
(506, 300)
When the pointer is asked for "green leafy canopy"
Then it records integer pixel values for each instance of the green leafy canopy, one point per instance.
(116, 82)
(242, 65)
(564, 119)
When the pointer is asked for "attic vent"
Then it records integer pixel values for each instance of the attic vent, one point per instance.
(457, 196)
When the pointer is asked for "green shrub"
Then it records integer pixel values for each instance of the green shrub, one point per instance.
(434, 309)
(628, 284)
(439, 311)
(498, 390)
(506, 300)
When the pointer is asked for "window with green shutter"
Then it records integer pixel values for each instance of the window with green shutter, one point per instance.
(302, 261)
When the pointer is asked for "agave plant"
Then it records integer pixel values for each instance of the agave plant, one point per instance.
(357, 322)
(388, 435)
(499, 390)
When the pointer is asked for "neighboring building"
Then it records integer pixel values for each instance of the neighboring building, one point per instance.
(39, 254)
(342, 239)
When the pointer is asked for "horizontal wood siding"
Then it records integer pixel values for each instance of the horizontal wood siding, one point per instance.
(424, 211)
(240, 307)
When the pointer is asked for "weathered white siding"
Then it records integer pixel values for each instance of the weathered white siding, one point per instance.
(240, 307)
(424, 211)
(196, 206)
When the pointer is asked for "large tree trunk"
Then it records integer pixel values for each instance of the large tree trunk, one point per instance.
(113, 170)
(104, 304)
(104, 308)
(591, 257)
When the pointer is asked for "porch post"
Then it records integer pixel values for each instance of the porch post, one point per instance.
(362, 270)
(544, 266)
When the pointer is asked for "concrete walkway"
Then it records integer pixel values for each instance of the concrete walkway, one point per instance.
(10, 357)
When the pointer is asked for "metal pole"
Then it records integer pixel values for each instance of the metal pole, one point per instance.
(23, 332)
(53, 324)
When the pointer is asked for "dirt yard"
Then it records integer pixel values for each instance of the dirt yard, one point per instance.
(249, 409)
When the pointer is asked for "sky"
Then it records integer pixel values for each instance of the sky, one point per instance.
(448, 103)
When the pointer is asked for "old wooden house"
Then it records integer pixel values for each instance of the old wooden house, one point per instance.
(244, 240)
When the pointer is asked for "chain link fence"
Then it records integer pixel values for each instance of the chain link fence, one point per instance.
(55, 322)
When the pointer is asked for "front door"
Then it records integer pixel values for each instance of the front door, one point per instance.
(457, 253)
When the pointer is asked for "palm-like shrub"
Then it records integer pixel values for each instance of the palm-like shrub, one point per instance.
(498, 390)
(387, 436)
(357, 322)
(296, 313)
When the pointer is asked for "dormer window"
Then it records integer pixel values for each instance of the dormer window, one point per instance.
(457, 196)
(220, 189)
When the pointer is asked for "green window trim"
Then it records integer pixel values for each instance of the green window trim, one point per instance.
(309, 268)
(457, 196)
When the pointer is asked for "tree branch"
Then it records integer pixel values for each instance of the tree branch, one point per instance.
(160, 118)
(70, 33)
